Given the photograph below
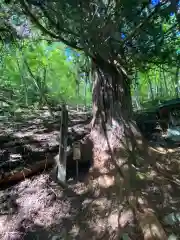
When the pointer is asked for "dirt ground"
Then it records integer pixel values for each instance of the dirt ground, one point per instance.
(39, 208)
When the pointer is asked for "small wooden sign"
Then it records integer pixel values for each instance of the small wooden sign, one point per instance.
(76, 151)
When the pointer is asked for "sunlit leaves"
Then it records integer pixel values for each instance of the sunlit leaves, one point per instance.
(53, 75)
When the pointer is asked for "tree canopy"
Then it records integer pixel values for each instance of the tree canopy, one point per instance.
(120, 35)
(132, 33)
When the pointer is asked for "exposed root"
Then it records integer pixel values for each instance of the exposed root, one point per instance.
(148, 222)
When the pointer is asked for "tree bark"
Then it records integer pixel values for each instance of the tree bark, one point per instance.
(177, 81)
(136, 90)
(112, 125)
(112, 101)
(111, 93)
(150, 87)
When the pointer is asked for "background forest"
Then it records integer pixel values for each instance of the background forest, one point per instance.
(36, 73)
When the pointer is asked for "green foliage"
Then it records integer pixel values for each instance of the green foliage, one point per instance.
(155, 85)
(52, 77)
(39, 73)
(96, 28)
(150, 46)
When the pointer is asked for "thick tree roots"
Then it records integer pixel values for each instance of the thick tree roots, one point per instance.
(117, 156)
(150, 226)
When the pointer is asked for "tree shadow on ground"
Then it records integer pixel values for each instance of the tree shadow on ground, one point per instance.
(156, 178)
(90, 209)
(32, 147)
(85, 210)
(41, 120)
(46, 212)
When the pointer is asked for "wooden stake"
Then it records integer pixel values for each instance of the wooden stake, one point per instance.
(61, 162)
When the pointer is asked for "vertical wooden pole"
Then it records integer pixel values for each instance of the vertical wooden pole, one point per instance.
(61, 162)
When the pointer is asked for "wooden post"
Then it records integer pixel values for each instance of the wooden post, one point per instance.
(61, 161)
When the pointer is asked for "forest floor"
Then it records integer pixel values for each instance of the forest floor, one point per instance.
(39, 208)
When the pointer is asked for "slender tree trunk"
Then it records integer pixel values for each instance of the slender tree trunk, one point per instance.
(138, 104)
(177, 82)
(85, 92)
(165, 82)
(156, 82)
(150, 87)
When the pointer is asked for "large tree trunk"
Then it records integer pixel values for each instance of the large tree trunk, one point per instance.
(111, 93)
(117, 143)
(113, 130)
(112, 125)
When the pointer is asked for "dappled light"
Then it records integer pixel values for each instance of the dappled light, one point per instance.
(89, 120)
(97, 204)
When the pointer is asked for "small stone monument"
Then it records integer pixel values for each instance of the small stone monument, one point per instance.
(77, 156)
